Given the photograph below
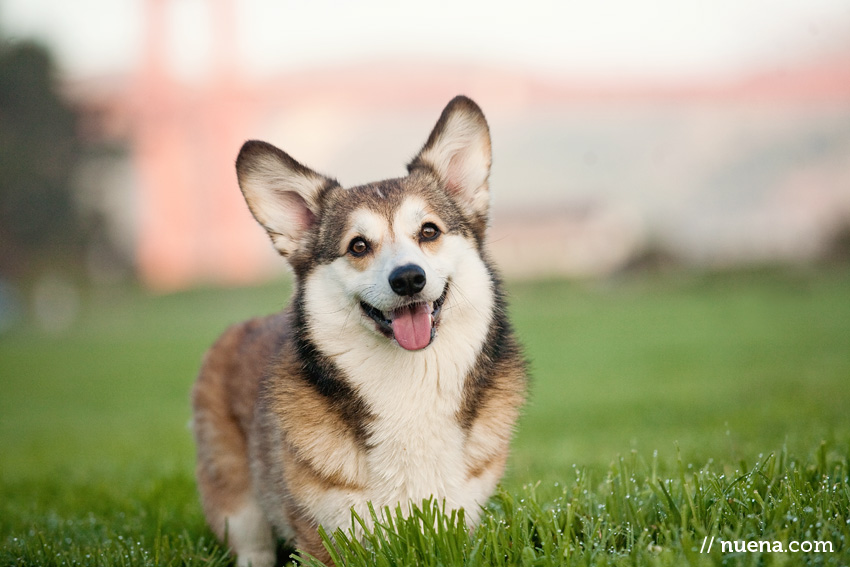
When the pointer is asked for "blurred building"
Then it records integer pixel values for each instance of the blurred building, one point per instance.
(586, 176)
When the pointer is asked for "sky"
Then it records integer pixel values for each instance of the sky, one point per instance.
(589, 38)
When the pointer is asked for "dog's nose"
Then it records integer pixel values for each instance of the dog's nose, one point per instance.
(407, 280)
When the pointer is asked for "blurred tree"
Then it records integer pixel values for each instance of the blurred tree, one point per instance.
(39, 150)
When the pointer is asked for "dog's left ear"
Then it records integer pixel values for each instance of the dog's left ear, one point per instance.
(458, 152)
(283, 195)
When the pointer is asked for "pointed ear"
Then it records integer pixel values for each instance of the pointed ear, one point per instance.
(283, 195)
(458, 152)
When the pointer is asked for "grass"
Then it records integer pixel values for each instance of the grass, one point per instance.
(633, 515)
(665, 409)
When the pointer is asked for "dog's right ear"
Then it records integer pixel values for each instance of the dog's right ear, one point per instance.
(283, 195)
(458, 152)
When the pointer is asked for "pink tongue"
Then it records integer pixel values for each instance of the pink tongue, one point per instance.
(412, 326)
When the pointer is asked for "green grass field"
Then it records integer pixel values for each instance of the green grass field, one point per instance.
(664, 410)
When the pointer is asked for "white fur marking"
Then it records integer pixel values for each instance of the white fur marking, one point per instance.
(250, 536)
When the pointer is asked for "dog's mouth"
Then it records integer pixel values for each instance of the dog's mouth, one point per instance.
(413, 326)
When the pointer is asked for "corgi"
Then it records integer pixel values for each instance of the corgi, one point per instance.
(393, 376)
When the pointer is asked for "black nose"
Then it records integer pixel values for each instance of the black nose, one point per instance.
(407, 280)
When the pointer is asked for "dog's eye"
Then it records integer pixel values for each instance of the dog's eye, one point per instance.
(358, 247)
(429, 232)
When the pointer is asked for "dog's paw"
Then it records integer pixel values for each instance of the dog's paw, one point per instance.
(256, 559)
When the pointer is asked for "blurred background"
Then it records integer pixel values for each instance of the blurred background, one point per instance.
(671, 207)
(625, 134)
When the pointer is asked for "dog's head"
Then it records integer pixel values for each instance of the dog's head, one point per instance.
(396, 259)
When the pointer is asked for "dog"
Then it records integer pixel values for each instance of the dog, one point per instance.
(392, 377)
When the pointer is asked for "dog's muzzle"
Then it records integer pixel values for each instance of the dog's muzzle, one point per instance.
(414, 325)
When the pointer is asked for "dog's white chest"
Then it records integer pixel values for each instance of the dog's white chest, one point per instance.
(416, 445)
(416, 452)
